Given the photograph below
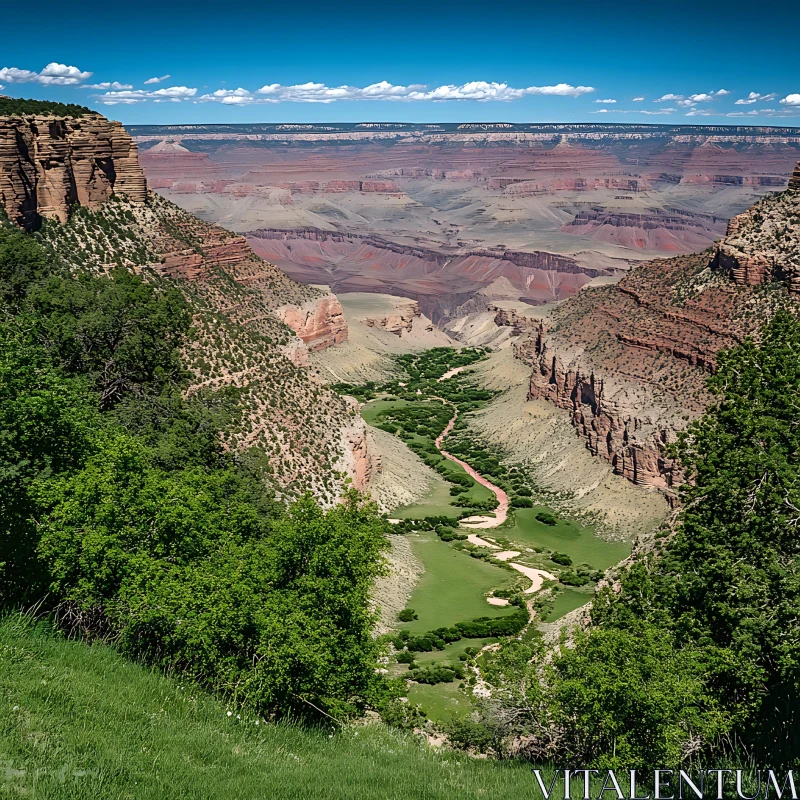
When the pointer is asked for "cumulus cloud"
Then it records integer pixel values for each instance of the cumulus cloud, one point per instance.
(699, 112)
(54, 74)
(311, 92)
(150, 81)
(609, 101)
(116, 85)
(754, 97)
(174, 93)
(789, 100)
(234, 97)
(638, 99)
(668, 97)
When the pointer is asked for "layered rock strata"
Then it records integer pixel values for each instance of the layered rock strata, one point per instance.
(50, 164)
(763, 243)
(319, 322)
(403, 320)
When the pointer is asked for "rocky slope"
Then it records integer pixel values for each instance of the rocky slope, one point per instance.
(629, 361)
(48, 164)
(78, 181)
(763, 243)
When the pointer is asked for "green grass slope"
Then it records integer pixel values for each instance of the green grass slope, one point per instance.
(80, 722)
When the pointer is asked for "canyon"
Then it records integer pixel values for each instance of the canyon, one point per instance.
(442, 213)
(644, 247)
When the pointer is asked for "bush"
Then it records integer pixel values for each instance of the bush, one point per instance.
(561, 558)
(405, 657)
(547, 518)
(407, 615)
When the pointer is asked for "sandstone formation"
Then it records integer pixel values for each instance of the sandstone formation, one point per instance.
(319, 322)
(763, 243)
(48, 164)
(511, 319)
(794, 181)
(629, 361)
(403, 320)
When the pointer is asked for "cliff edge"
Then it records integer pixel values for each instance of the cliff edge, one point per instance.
(49, 164)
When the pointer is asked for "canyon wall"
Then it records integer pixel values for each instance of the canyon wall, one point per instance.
(763, 243)
(49, 164)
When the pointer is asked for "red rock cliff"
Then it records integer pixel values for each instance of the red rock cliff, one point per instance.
(48, 164)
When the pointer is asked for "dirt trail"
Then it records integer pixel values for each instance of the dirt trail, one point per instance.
(501, 512)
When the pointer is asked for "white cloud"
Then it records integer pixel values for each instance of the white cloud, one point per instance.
(638, 99)
(233, 97)
(609, 101)
(752, 113)
(703, 97)
(311, 92)
(655, 113)
(754, 97)
(699, 112)
(174, 93)
(721, 92)
(685, 103)
(665, 97)
(107, 85)
(150, 81)
(789, 100)
(2, 87)
(54, 74)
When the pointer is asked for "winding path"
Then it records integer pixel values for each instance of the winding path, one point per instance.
(536, 576)
(501, 512)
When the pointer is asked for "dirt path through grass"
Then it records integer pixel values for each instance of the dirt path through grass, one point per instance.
(501, 513)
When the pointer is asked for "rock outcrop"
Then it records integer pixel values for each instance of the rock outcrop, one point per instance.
(794, 181)
(509, 318)
(763, 243)
(403, 320)
(49, 164)
(319, 322)
(629, 362)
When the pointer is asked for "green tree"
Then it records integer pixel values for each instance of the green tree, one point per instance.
(121, 332)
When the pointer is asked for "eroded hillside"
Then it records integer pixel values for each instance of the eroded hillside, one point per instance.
(77, 180)
(629, 361)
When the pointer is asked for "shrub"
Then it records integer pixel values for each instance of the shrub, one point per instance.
(547, 518)
(561, 558)
(407, 615)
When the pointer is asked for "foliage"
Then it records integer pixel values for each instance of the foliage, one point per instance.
(13, 105)
(407, 615)
(120, 510)
(546, 517)
(121, 332)
(698, 647)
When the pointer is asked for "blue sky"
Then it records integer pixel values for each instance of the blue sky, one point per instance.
(715, 62)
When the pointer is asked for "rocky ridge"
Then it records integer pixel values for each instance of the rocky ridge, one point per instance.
(77, 180)
(629, 361)
(48, 164)
(763, 243)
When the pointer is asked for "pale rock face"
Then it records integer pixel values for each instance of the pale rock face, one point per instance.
(396, 323)
(318, 322)
(48, 164)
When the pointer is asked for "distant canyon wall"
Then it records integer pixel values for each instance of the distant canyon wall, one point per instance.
(49, 164)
